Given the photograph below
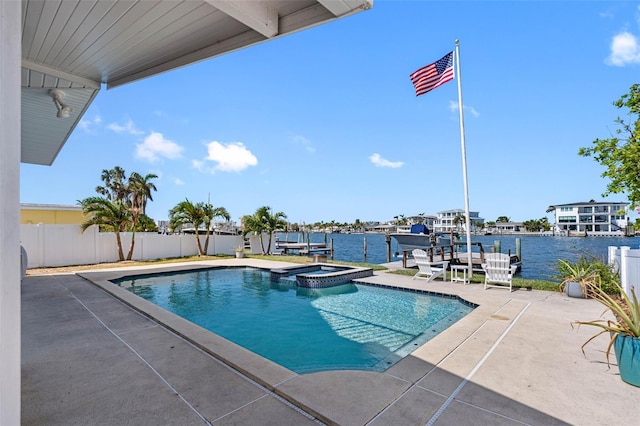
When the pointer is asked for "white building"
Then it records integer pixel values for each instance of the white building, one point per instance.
(427, 220)
(445, 221)
(591, 218)
(505, 228)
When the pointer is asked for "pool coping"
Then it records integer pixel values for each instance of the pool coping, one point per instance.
(286, 383)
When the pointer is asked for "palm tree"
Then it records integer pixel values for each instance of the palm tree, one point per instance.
(140, 188)
(185, 213)
(146, 224)
(264, 221)
(459, 221)
(114, 184)
(134, 194)
(112, 216)
(211, 213)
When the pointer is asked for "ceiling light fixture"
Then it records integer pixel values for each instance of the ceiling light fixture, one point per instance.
(64, 110)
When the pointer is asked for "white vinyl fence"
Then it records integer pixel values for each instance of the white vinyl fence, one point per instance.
(627, 261)
(64, 245)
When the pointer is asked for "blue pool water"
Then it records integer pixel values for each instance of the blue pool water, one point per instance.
(351, 326)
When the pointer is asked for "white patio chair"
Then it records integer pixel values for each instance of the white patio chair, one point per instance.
(427, 269)
(498, 271)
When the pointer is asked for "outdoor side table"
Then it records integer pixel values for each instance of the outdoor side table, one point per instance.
(455, 270)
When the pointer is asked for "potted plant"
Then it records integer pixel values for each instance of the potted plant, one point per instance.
(577, 277)
(239, 252)
(624, 330)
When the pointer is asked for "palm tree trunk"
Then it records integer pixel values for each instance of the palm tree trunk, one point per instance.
(198, 243)
(133, 241)
(206, 243)
(262, 244)
(269, 245)
(133, 235)
(119, 241)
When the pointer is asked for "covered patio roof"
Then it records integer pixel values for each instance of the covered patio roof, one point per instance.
(77, 46)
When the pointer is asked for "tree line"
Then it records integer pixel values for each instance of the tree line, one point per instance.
(121, 203)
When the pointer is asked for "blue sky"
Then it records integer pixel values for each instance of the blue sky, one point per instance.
(324, 124)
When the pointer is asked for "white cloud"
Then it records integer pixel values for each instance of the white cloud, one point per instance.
(155, 146)
(178, 181)
(231, 157)
(625, 49)
(198, 165)
(88, 124)
(129, 127)
(382, 162)
(453, 106)
(304, 142)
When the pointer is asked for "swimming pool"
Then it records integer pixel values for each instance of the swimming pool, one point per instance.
(351, 326)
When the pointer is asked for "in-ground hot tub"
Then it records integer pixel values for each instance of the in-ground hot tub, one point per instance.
(320, 275)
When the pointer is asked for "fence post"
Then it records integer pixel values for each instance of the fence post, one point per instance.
(611, 256)
(624, 270)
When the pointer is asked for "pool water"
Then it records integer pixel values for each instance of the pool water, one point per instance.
(351, 326)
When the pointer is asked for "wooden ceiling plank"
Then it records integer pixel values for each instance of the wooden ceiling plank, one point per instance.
(89, 30)
(243, 40)
(126, 38)
(63, 13)
(30, 23)
(78, 14)
(193, 31)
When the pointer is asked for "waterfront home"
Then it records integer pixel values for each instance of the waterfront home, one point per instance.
(445, 221)
(591, 218)
(505, 228)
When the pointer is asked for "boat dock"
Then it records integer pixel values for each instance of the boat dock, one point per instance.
(453, 255)
(304, 248)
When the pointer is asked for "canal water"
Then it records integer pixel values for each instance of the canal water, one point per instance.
(539, 254)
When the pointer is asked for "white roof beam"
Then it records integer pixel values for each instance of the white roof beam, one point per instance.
(253, 14)
(60, 74)
(345, 7)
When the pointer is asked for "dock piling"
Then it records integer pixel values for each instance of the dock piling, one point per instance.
(387, 239)
(365, 247)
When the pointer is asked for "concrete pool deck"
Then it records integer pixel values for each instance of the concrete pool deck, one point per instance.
(89, 357)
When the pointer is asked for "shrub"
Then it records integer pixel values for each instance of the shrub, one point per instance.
(589, 270)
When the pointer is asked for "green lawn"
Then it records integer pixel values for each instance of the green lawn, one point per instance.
(517, 282)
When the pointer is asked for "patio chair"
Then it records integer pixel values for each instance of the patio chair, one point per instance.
(427, 269)
(498, 271)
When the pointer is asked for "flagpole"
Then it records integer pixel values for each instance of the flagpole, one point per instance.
(464, 164)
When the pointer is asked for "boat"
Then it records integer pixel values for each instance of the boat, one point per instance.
(577, 233)
(419, 237)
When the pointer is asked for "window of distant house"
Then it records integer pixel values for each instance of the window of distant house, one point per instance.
(567, 219)
(566, 209)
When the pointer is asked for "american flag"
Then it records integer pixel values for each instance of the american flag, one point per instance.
(433, 75)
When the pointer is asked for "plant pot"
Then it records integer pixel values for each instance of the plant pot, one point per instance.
(573, 289)
(627, 349)
(239, 254)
